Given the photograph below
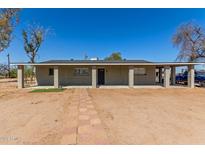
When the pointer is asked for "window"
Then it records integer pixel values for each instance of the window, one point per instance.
(51, 71)
(140, 71)
(81, 72)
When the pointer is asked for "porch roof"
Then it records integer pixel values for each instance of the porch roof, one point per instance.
(106, 62)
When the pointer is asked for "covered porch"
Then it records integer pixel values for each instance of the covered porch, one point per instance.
(128, 78)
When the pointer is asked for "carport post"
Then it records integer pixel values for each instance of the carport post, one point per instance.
(94, 77)
(131, 76)
(191, 76)
(173, 75)
(167, 72)
(20, 76)
(56, 77)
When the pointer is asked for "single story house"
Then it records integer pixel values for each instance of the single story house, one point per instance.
(95, 73)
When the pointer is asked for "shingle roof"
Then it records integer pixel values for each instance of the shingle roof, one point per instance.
(95, 61)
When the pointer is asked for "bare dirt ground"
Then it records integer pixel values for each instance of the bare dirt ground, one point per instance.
(31, 118)
(152, 116)
(102, 116)
(67, 117)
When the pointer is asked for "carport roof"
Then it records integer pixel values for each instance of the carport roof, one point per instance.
(106, 62)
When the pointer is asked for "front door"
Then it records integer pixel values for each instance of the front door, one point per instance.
(101, 76)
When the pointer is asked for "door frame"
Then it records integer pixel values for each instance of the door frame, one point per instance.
(102, 68)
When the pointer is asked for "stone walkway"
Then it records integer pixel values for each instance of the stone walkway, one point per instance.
(86, 126)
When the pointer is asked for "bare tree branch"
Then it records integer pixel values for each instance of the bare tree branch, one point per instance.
(190, 39)
(33, 37)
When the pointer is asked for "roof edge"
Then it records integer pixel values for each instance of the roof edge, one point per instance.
(111, 63)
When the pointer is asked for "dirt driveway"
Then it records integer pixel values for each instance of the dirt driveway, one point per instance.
(102, 116)
(152, 116)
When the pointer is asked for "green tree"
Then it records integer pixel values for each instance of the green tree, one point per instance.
(8, 20)
(3, 70)
(190, 40)
(13, 73)
(114, 56)
(28, 72)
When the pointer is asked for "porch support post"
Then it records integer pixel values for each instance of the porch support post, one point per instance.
(94, 77)
(131, 76)
(20, 76)
(56, 77)
(160, 75)
(191, 76)
(173, 75)
(167, 72)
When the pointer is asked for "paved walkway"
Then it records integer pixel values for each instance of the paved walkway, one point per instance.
(86, 126)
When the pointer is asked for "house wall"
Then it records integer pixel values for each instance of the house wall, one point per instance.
(66, 76)
(42, 76)
(114, 75)
(148, 78)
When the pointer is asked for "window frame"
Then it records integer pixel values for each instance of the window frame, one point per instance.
(137, 71)
(80, 71)
(51, 72)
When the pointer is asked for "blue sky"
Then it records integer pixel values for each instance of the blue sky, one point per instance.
(136, 33)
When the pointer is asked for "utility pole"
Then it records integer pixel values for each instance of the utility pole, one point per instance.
(8, 56)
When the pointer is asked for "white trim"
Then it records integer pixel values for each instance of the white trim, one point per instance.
(104, 64)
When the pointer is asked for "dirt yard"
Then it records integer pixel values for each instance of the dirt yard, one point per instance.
(67, 117)
(152, 116)
(102, 116)
(31, 118)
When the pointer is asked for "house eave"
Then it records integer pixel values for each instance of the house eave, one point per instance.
(114, 64)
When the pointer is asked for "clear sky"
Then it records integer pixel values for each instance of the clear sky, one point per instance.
(136, 33)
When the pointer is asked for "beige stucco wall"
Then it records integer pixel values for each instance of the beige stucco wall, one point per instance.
(66, 76)
(114, 75)
(148, 79)
(42, 76)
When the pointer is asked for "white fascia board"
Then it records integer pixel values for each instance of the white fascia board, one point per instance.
(98, 64)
